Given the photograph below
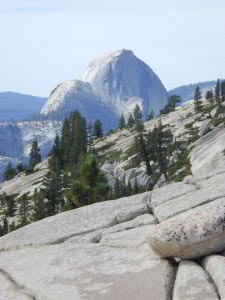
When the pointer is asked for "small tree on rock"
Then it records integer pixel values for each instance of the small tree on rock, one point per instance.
(197, 100)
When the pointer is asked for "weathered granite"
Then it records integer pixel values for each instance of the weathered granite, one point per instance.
(215, 267)
(76, 222)
(193, 283)
(195, 233)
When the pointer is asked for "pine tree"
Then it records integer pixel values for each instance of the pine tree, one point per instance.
(10, 205)
(173, 101)
(78, 139)
(91, 186)
(53, 193)
(117, 189)
(223, 91)
(38, 206)
(20, 168)
(35, 156)
(140, 145)
(56, 161)
(122, 122)
(160, 144)
(89, 137)
(97, 129)
(66, 141)
(197, 100)
(137, 113)
(130, 122)
(218, 92)
(23, 211)
(135, 186)
(151, 115)
(209, 97)
(5, 226)
(9, 172)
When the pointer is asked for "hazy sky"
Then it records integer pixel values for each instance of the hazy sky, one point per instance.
(44, 42)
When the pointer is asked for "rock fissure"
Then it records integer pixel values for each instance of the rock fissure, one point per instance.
(20, 288)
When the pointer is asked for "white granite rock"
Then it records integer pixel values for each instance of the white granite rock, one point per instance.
(207, 156)
(76, 222)
(9, 290)
(131, 238)
(193, 283)
(98, 235)
(195, 233)
(215, 267)
(89, 271)
(202, 192)
(170, 192)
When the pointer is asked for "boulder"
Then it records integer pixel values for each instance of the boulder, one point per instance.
(197, 232)
(193, 283)
(215, 267)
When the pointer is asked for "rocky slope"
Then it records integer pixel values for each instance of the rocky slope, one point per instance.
(140, 247)
(167, 244)
(113, 84)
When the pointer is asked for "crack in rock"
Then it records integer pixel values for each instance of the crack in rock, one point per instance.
(17, 286)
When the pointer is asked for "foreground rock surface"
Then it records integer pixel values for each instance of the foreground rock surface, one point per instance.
(193, 283)
(215, 267)
(80, 221)
(97, 252)
(90, 271)
(195, 233)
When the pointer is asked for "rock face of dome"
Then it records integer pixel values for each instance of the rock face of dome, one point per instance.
(113, 84)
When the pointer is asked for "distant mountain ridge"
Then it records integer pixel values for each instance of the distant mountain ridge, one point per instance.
(17, 106)
(186, 92)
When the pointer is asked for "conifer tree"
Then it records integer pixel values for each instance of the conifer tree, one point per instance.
(66, 141)
(137, 113)
(23, 211)
(53, 193)
(122, 122)
(35, 156)
(10, 205)
(135, 186)
(160, 145)
(20, 168)
(218, 92)
(97, 129)
(140, 145)
(91, 185)
(209, 97)
(90, 137)
(56, 161)
(9, 172)
(78, 139)
(173, 101)
(223, 91)
(38, 206)
(151, 115)
(197, 99)
(130, 121)
(5, 226)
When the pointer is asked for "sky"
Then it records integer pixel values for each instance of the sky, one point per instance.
(44, 42)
